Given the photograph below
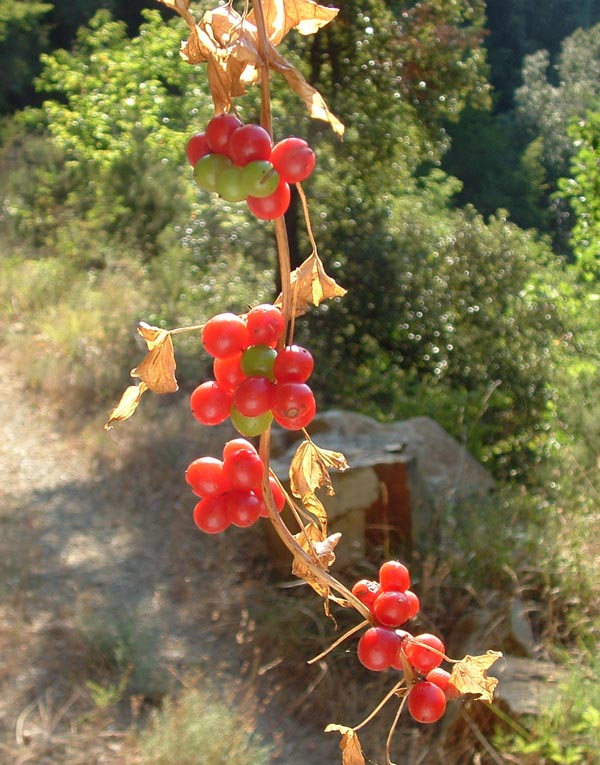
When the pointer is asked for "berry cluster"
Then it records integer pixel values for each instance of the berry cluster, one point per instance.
(254, 382)
(231, 488)
(240, 163)
(384, 645)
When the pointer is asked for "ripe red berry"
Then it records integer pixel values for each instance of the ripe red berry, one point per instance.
(415, 604)
(225, 335)
(391, 608)
(278, 497)
(439, 677)
(211, 514)
(366, 590)
(293, 364)
(294, 405)
(211, 403)
(424, 652)
(249, 143)
(219, 130)
(236, 445)
(254, 396)
(293, 159)
(273, 206)
(394, 575)
(196, 148)
(228, 372)
(243, 507)
(243, 469)
(265, 324)
(206, 477)
(377, 648)
(426, 702)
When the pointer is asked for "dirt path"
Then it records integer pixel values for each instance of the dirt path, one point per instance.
(90, 551)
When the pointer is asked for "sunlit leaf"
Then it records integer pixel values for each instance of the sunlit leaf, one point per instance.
(309, 469)
(321, 550)
(469, 675)
(311, 285)
(350, 745)
(306, 16)
(157, 370)
(127, 405)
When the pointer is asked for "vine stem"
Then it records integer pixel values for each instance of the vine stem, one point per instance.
(325, 579)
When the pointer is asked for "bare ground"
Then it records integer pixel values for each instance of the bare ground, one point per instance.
(90, 545)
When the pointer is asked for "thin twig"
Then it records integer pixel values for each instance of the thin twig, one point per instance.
(388, 743)
(339, 641)
(381, 704)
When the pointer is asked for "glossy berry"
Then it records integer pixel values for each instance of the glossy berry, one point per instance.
(219, 130)
(439, 677)
(394, 575)
(206, 477)
(236, 445)
(211, 514)
(415, 604)
(273, 206)
(258, 361)
(278, 497)
(426, 702)
(243, 507)
(209, 169)
(228, 371)
(260, 179)
(231, 185)
(249, 143)
(293, 159)
(377, 648)
(293, 364)
(224, 335)
(254, 396)
(366, 590)
(250, 426)
(265, 325)
(391, 609)
(294, 405)
(196, 148)
(420, 654)
(243, 469)
(211, 403)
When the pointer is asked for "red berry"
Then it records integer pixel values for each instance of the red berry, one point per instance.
(293, 159)
(419, 652)
(243, 507)
(273, 206)
(225, 335)
(254, 396)
(294, 405)
(249, 143)
(377, 648)
(265, 324)
(211, 514)
(243, 469)
(394, 575)
(293, 364)
(211, 403)
(206, 477)
(278, 497)
(426, 702)
(366, 590)
(415, 604)
(439, 677)
(219, 130)
(236, 445)
(196, 148)
(228, 372)
(391, 608)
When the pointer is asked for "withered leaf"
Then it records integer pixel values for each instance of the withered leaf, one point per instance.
(306, 16)
(469, 675)
(127, 405)
(181, 7)
(157, 369)
(320, 549)
(350, 745)
(309, 469)
(311, 285)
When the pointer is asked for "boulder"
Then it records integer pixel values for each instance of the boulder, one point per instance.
(401, 477)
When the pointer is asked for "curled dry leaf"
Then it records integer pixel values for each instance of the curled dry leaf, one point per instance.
(320, 549)
(469, 675)
(311, 285)
(157, 370)
(229, 44)
(350, 745)
(309, 469)
(127, 405)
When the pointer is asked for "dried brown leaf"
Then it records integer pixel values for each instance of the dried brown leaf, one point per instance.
(157, 369)
(321, 550)
(350, 745)
(127, 405)
(469, 675)
(306, 16)
(309, 469)
(311, 285)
